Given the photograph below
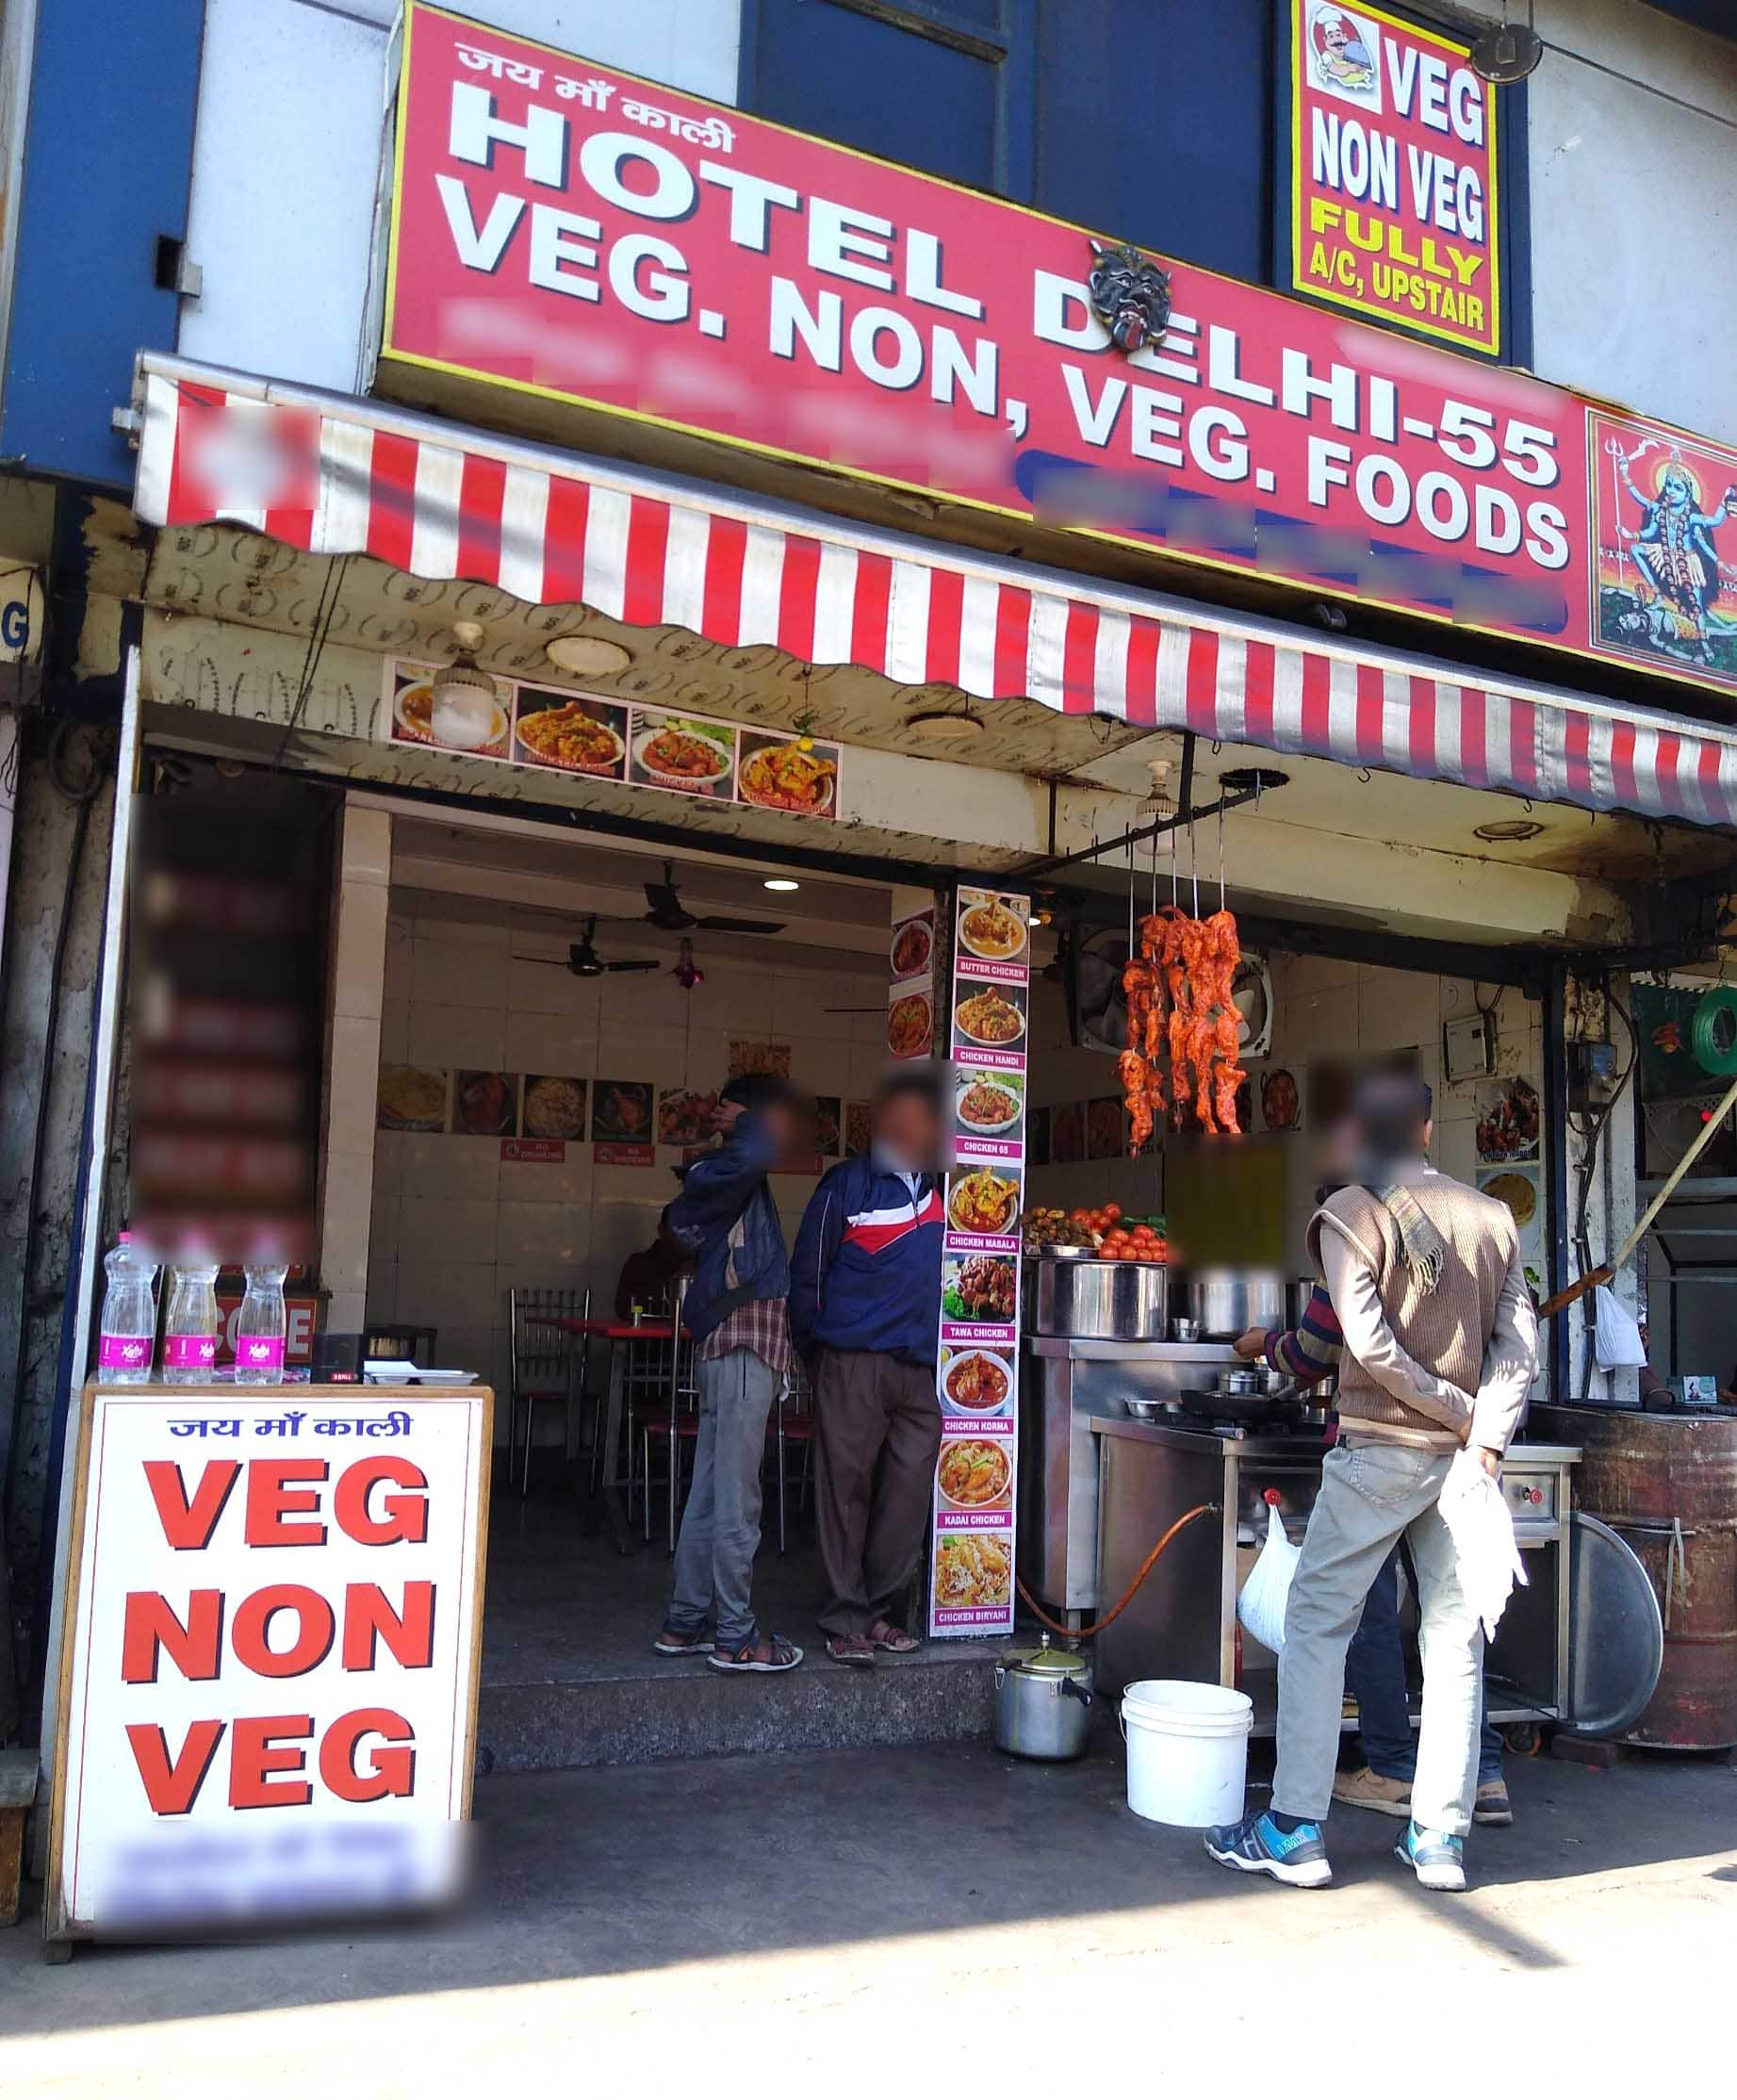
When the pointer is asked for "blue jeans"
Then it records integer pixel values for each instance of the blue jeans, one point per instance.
(720, 1526)
(1375, 1677)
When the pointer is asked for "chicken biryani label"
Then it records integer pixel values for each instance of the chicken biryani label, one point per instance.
(995, 1616)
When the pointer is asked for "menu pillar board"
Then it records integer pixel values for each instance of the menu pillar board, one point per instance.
(976, 1370)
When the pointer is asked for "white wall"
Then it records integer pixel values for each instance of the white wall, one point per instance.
(292, 103)
(1634, 163)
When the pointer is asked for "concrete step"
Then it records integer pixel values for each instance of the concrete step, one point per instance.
(689, 1709)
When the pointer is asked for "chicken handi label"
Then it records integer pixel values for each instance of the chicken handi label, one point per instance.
(976, 1370)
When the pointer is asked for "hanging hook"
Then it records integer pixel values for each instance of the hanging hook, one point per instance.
(1364, 775)
(1218, 745)
(1526, 805)
(1194, 862)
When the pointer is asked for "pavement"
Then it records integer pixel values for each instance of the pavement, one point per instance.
(938, 1909)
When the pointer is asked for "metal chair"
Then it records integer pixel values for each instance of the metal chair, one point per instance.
(539, 1361)
(675, 1423)
(413, 1344)
(793, 1423)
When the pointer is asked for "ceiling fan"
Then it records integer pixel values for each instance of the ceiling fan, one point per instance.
(666, 911)
(584, 962)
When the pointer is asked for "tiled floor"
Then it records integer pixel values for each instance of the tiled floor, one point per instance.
(566, 1608)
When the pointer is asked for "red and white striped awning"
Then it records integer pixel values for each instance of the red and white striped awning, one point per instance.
(340, 476)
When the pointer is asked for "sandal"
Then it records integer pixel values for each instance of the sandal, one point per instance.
(893, 1640)
(855, 1651)
(672, 1640)
(773, 1653)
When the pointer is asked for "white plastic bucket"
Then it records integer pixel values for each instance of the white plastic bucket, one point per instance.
(1188, 1750)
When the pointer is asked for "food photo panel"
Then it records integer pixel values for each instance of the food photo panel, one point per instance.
(682, 753)
(470, 718)
(988, 1024)
(790, 773)
(570, 733)
(989, 1113)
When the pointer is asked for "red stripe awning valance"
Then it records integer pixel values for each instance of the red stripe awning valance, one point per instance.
(336, 476)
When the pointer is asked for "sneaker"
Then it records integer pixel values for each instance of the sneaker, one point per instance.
(1257, 1845)
(1368, 1789)
(1438, 1859)
(671, 1640)
(1493, 1805)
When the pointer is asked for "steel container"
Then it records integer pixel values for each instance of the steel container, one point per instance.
(1042, 1703)
(1101, 1301)
(1228, 1302)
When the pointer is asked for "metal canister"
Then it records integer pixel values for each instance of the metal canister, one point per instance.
(1668, 1485)
(1101, 1301)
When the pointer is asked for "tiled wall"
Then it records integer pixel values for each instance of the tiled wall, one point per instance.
(454, 1226)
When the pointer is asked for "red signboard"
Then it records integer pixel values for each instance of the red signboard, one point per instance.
(575, 234)
(1394, 191)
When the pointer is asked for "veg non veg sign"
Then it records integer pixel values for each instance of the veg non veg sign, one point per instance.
(269, 1700)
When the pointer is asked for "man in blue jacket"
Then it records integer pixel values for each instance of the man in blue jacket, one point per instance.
(725, 1224)
(865, 1308)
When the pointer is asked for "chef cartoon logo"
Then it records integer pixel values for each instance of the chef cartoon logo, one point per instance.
(1343, 51)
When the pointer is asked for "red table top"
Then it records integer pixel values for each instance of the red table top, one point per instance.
(615, 1330)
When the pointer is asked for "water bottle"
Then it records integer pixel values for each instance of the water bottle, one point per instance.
(128, 1335)
(190, 1329)
(261, 1325)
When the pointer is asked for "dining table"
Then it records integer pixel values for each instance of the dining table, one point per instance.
(605, 1504)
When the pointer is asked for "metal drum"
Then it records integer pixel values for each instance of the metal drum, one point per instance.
(1668, 1485)
(1101, 1301)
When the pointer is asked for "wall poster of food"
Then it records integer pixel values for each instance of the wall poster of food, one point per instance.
(1508, 1120)
(682, 753)
(976, 1366)
(859, 1127)
(1517, 1186)
(411, 1097)
(471, 721)
(620, 1112)
(549, 728)
(684, 1116)
(486, 1104)
(745, 1057)
(570, 732)
(828, 1111)
(554, 1106)
(791, 773)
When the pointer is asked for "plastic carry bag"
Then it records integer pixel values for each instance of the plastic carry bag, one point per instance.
(1265, 1595)
(1616, 1339)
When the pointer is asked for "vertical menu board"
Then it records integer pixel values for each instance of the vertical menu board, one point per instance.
(976, 1369)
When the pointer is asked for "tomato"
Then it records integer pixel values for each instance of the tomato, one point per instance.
(1112, 1211)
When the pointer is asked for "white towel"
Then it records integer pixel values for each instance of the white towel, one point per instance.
(1482, 1526)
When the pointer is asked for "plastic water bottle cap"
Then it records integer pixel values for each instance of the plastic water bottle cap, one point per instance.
(124, 1239)
(1271, 1497)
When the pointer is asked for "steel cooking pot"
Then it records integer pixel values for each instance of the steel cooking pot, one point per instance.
(1102, 1301)
(1042, 1702)
(1228, 1302)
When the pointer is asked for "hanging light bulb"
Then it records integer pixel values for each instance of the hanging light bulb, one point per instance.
(464, 712)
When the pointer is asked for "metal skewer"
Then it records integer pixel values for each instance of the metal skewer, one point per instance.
(1221, 851)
